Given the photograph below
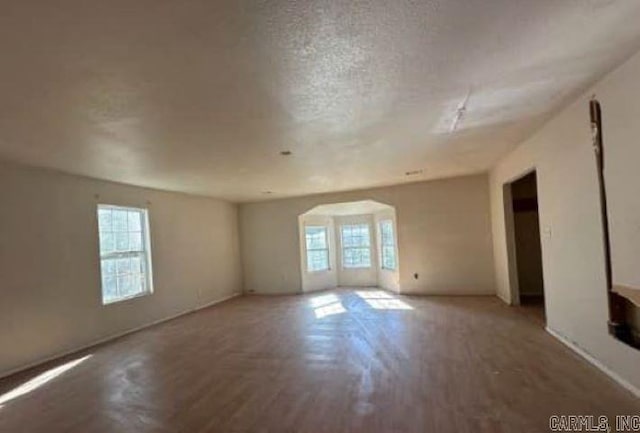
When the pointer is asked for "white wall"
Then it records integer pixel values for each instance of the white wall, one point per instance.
(50, 296)
(573, 260)
(443, 233)
(318, 280)
(357, 277)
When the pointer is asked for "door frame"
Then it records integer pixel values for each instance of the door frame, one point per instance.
(510, 235)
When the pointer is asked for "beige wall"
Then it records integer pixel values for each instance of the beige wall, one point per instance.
(573, 260)
(50, 296)
(443, 232)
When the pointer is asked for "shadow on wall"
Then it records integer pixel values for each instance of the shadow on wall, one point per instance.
(349, 244)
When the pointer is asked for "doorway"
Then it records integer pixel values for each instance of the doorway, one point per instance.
(527, 284)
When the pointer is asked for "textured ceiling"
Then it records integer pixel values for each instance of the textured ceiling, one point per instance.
(201, 96)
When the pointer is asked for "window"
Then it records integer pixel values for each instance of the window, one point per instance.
(317, 248)
(356, 246)
(387, 245)
(125, 261)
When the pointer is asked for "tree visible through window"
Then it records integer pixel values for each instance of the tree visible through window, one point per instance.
(125, 261)
(317, 248)
(387, 245)
(356, 246)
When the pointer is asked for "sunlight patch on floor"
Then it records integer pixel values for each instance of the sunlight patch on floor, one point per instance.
(381, 300)
(388, 304)
(39, 380)
(329, 310)
(330, 304)
(319, 301)
(374, 294)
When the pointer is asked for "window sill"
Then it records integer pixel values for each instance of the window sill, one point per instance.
(321, 271)
(128, 298)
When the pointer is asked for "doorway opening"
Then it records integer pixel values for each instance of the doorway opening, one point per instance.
(525, 249)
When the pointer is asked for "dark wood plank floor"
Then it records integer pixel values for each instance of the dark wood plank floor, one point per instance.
(340, 361)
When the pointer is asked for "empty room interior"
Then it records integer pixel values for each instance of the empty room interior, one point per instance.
(319, 216)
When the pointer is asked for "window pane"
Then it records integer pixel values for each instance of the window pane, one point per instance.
(136, 285)
(120, 220)
(386, 231)
(135, 241)
(134, 222)
(317, 260)
(388, 245)
(345, 235)
(356, 258)
(317, 248)
(123, 266)
(365, 257)
(107, 242)
(356, 235)
(124, 285)
(108, 267)
(348, 257)
(104, 219)
(122, 241)
(356, 241)
(136, 265)
(388, 257)
(316, 237)
(109, 289)
(124, 258)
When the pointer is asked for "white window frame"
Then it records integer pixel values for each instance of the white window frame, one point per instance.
(326, 249)
(362, 247)
(389, 244)
(144, 254)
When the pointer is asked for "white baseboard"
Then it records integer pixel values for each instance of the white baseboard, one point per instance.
(114, 336)
(587, 356)
(502, 298)
(207, 305)
(446, 295)
(273, 293)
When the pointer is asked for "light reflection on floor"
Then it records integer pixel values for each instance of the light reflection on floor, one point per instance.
(329, 310)
(331, 304)
(39, 381)
(374, 294)
(319, 301)
(388, 304)
(381, 300)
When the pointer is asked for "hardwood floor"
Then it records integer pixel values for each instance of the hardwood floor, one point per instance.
(340, 361)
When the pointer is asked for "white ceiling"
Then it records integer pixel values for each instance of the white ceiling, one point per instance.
(201, 96)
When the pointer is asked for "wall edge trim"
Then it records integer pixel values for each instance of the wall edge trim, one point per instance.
(595, 362)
